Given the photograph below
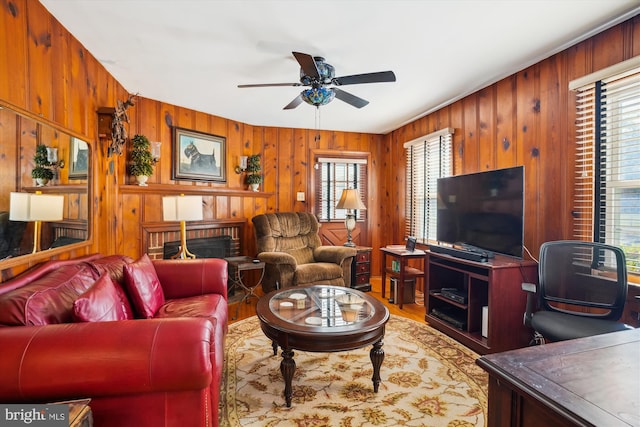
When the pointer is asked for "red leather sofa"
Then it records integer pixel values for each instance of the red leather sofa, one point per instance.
(159, 368)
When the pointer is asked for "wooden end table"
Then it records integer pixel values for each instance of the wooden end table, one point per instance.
(404, 272)
(322, 318)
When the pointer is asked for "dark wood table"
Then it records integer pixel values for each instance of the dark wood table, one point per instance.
(592, 381)
(404, 272)
(322, 318)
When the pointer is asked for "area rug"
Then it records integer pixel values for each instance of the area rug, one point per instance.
(428, 379)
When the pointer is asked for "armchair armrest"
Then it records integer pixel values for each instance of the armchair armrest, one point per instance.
(277, 258)
(334, 254)
(530, 289)
(53, 362)
(191, 277)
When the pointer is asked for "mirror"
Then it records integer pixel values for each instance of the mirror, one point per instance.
(63, 173)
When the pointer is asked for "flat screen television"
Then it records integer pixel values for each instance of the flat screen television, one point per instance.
(483, 210)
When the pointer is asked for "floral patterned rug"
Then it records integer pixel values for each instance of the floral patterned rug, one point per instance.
(428, 379)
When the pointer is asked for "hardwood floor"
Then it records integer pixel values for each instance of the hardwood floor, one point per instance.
(411, 311)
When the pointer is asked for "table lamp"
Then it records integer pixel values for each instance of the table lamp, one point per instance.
(350, 200)
(182, 208)
(36, 207)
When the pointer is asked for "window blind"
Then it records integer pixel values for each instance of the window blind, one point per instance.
(607, 189)
(428, 158)
(334, 175)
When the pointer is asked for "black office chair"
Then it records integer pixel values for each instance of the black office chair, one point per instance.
(581, 292)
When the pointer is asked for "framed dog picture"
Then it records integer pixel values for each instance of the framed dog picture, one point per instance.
(198, 156)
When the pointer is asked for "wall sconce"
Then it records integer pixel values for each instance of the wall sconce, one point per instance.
(182, 208)
(52, 158)
(242, 167)
(36, 207)
(156, 151)
(350, 200)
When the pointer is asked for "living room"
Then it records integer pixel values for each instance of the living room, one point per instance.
(48, 77)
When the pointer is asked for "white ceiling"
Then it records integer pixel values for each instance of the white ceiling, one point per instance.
(194, 53)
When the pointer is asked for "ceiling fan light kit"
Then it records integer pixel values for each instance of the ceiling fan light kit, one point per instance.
(317, 74)
(318, 96)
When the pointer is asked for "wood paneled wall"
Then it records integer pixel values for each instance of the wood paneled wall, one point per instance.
(526, 118)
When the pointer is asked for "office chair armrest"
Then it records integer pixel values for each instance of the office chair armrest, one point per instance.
(530, 289)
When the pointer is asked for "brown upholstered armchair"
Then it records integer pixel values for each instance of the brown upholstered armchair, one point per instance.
(289, 244)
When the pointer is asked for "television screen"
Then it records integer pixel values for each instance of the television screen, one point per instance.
(484, 210)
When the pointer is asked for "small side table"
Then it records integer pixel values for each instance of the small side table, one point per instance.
(237, 266)
(404, 272)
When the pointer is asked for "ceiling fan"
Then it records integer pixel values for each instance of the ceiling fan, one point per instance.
(320, 77)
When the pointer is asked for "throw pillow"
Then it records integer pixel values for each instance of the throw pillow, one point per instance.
(100, 303)
(144, 287)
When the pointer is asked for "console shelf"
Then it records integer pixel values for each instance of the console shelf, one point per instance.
(495, 284)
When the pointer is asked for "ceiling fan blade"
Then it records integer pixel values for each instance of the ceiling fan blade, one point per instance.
(378, 77)
(349, 98)
(270, 84)
(308, 64)
(293, 104)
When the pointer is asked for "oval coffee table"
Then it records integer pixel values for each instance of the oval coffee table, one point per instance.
(322, 318)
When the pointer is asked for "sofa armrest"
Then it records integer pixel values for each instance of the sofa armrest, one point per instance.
(334, 254)
(53, 362)
(277, 258)
(191, 277)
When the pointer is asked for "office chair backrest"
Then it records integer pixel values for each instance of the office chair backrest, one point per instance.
(584, 278)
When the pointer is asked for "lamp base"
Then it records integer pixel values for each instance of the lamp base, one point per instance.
(350, 244)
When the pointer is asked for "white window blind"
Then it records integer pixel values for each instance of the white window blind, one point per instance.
(428, 158)
(607, 192)
(334, 175)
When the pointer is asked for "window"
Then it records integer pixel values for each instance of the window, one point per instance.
(607, 190)
(334, 175)
(428, 158)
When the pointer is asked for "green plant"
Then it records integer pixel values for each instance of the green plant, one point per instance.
(42, 169)
(253, 169)
(141, 158)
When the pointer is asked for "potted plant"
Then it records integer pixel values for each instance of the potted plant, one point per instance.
(254, 178)
(42, 173)
(141, 159)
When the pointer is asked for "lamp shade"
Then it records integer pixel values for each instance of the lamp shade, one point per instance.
(350, 199)
(182, 208)
(35, 207)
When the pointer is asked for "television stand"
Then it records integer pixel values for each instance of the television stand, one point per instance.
(456, 290)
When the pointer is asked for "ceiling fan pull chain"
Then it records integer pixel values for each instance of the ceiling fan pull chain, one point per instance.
(318, 117)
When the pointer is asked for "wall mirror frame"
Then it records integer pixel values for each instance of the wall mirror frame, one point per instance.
(20, 133)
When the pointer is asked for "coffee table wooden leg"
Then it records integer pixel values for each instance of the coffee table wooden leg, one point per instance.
(288, 368)
(274, 345)
(377, 356)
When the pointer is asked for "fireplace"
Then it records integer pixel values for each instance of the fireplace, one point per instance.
(206, 247)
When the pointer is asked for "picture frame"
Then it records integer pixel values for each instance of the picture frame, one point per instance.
(198, 156)
(78, 159)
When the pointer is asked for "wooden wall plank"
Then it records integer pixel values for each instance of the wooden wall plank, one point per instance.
(39, 62)
(14, 73)
(486, 129)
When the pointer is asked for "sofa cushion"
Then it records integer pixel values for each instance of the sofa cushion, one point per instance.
(100, 303)
(144, 287)
(113, 265)
(48, 299)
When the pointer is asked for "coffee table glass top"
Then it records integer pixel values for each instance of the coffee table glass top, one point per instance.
(321, 306)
